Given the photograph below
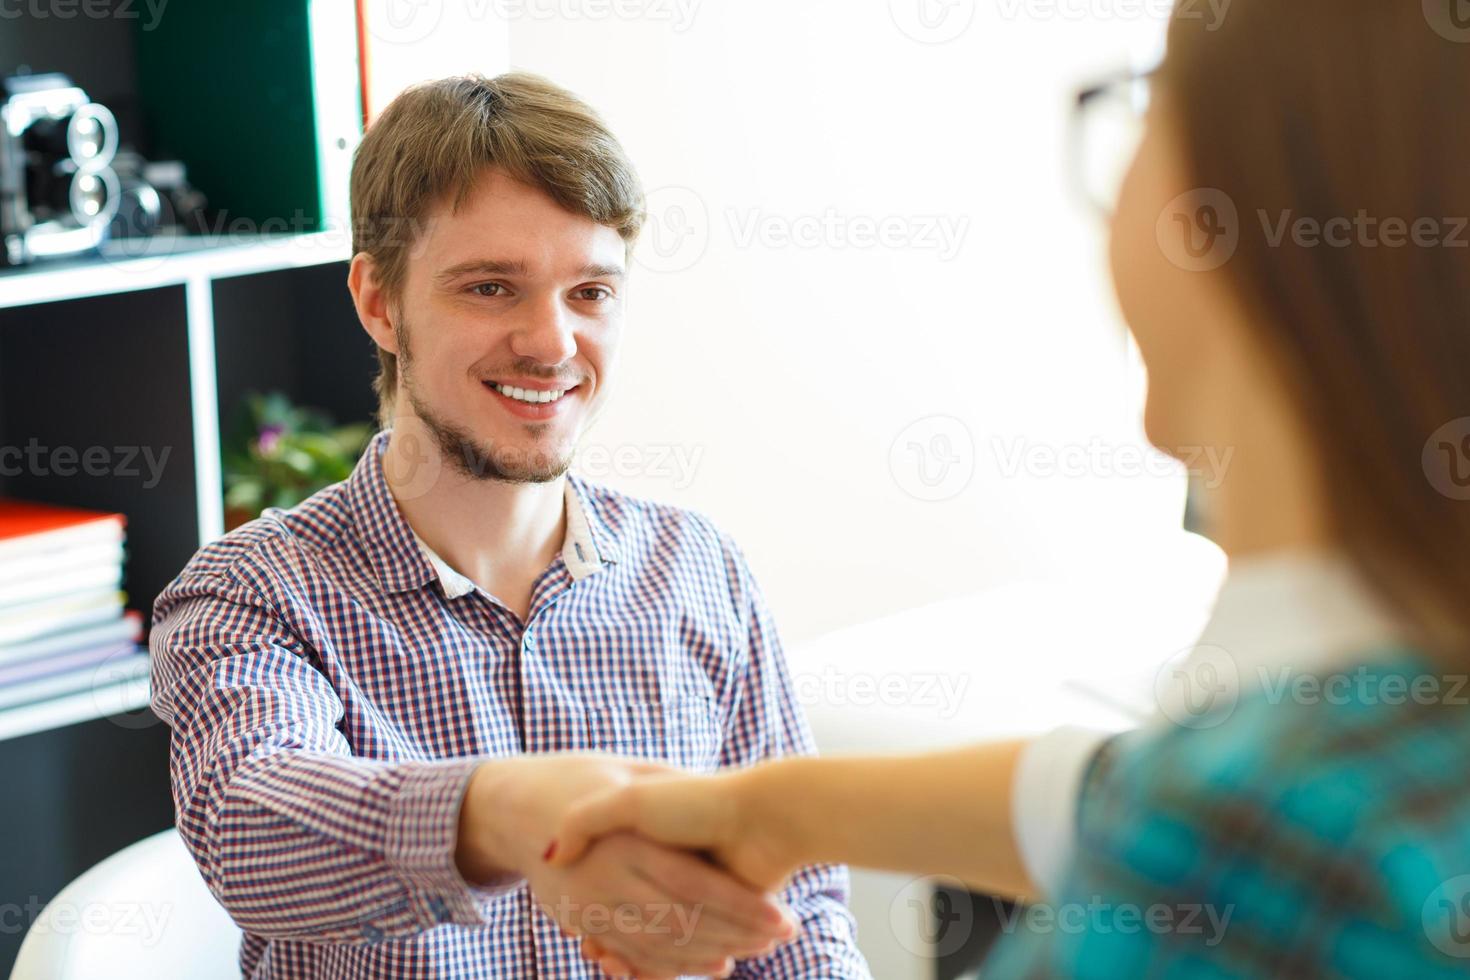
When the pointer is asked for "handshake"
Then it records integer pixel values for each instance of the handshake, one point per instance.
(660, 873)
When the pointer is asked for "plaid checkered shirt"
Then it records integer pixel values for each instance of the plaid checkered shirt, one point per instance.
(331, 685)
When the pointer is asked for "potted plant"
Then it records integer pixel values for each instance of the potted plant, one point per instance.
(278, 454)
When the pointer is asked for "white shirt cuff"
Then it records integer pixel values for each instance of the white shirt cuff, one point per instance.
(1044, 797)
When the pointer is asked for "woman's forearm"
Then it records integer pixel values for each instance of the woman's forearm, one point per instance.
(940, 813)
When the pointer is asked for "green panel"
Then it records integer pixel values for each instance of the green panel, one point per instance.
(226, 87)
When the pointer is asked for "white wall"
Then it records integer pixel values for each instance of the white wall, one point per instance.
(766, 382)
(789, 370)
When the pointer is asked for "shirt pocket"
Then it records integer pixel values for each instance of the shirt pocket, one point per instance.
(683, 730)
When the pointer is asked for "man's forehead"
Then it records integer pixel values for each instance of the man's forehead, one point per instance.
(521, 231)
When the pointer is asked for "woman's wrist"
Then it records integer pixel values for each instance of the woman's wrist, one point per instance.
(771, 800)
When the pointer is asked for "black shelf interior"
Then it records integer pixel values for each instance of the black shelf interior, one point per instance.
(108, 374)
(295, 331)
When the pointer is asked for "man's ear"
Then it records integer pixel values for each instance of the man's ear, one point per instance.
(371, 302)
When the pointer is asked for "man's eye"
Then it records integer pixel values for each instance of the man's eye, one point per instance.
(488, 289)
(594, 293)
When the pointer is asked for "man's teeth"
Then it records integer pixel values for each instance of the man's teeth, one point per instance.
(526, 395)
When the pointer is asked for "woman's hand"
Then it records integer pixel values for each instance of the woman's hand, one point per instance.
(723, 815)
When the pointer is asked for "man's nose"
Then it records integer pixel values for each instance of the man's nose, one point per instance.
(546, 334)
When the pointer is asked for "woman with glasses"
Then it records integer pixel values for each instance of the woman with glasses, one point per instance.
(1289, 248)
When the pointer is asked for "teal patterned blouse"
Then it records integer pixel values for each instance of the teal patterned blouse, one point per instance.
(1317, 827)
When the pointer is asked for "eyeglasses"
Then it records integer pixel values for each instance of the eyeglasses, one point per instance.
(1107, 126)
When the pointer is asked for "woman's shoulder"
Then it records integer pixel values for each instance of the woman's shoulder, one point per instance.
(1328, 813)
(1377, 739)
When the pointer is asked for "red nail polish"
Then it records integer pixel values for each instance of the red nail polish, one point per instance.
(550, 852)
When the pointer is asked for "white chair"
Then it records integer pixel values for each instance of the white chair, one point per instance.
(142, 914)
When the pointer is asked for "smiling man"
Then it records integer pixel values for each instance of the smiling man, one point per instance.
(373, 695)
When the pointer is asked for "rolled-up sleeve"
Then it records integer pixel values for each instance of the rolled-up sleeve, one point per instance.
(295, 836)
(1046, 792)
(768, 723)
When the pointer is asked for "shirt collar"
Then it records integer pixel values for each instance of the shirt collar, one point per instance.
(1307, 610)
(402, 561)
(583, 552)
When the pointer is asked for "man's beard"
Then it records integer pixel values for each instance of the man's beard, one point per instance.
(461, 450)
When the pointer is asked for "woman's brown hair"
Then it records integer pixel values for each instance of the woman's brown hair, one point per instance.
(1356, 109)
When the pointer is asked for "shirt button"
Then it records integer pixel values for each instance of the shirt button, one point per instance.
(528, 642)
(372, 934)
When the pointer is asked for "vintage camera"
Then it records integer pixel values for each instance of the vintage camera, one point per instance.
(58, 190)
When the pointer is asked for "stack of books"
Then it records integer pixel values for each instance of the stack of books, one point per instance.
(64, 625)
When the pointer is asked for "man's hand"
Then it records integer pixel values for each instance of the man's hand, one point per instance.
(644, 909)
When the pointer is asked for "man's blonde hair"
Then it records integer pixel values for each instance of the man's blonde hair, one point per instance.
(438, 137)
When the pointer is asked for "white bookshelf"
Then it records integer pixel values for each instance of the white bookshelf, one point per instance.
(195, 288)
